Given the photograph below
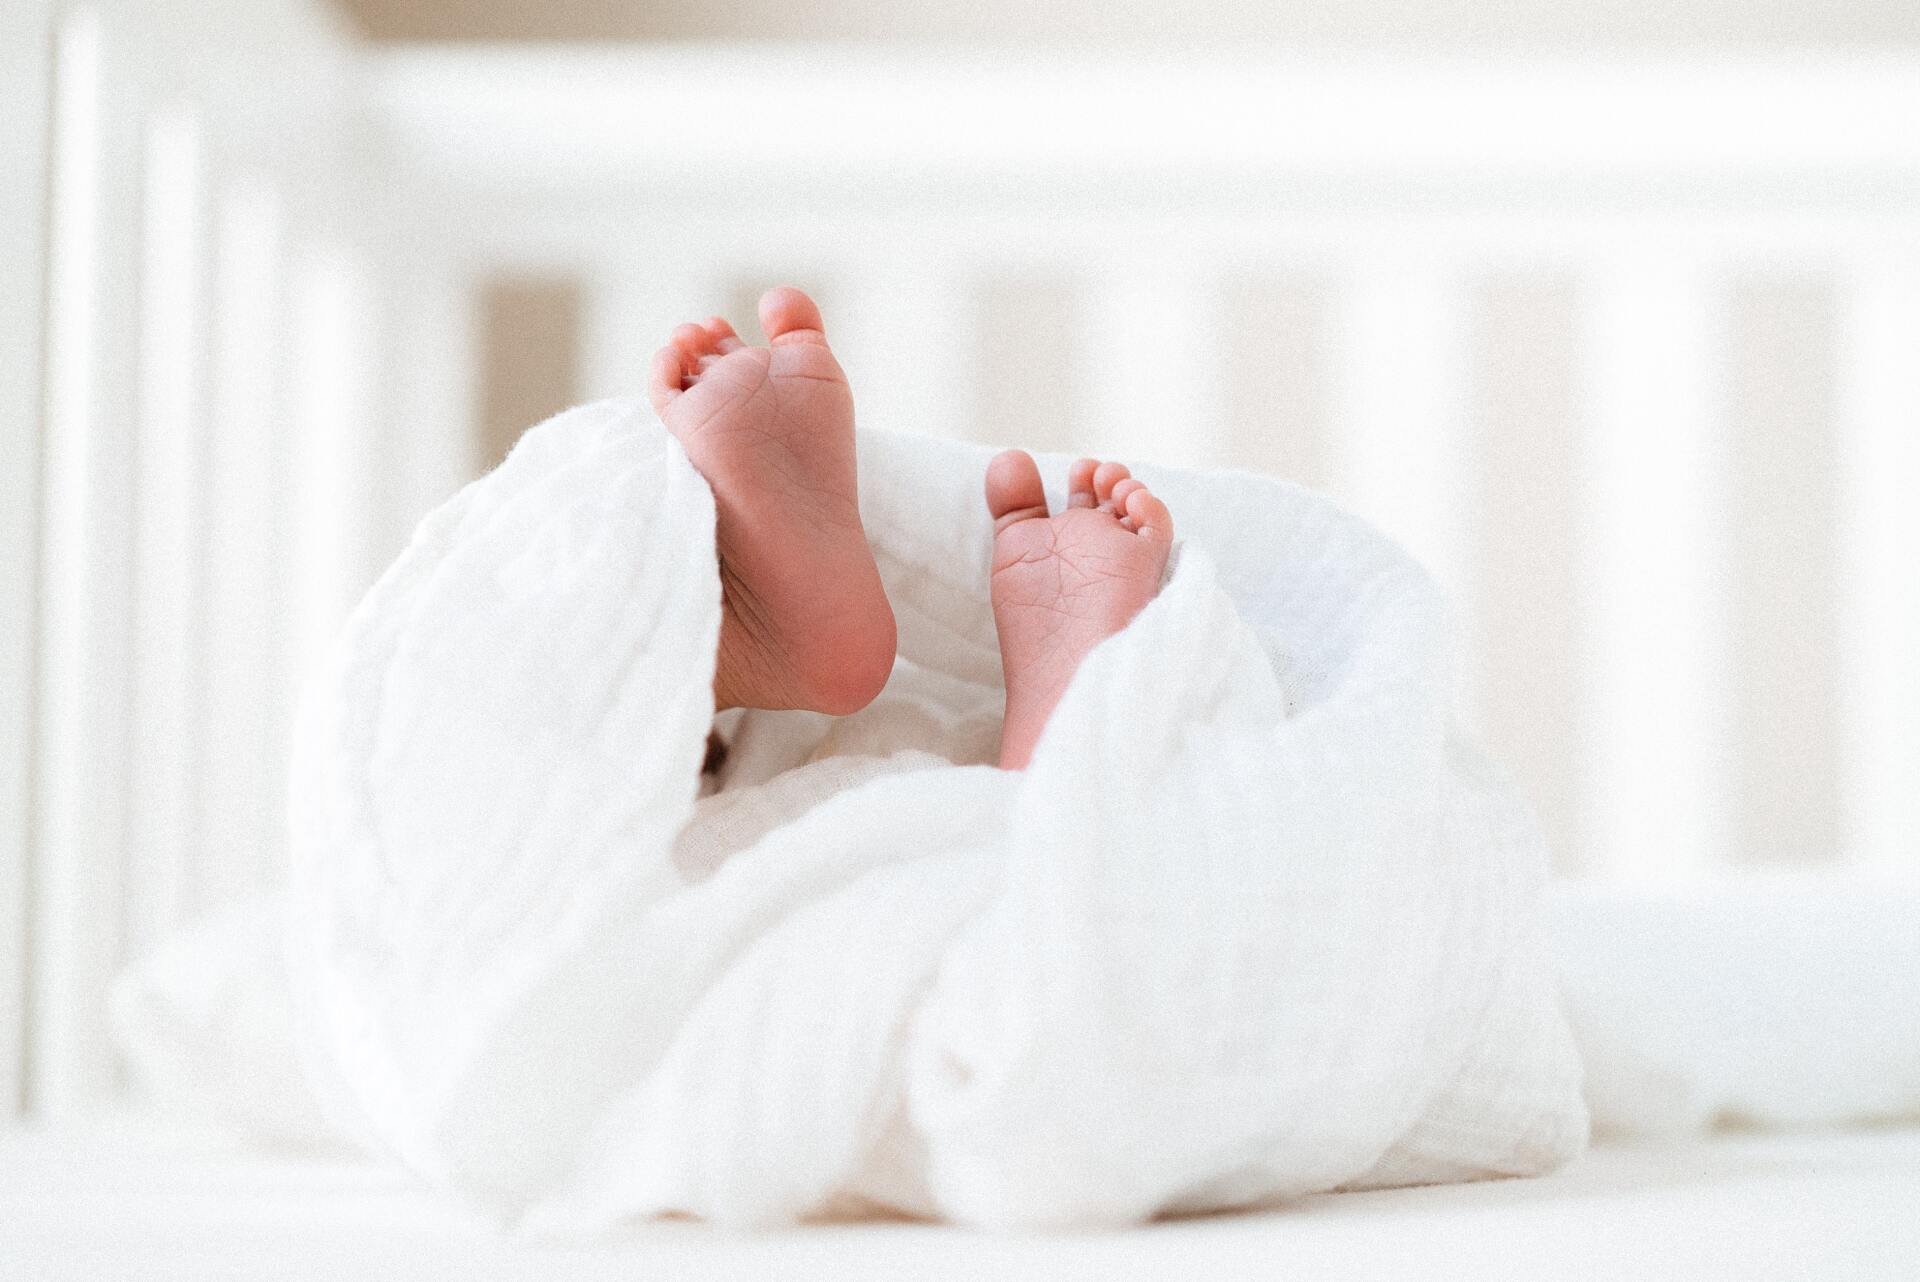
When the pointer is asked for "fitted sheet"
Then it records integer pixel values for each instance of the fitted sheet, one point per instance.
(125, 1200)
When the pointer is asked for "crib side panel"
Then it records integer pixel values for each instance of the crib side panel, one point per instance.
(1615, 374)
(192, 170)
(1531, 344)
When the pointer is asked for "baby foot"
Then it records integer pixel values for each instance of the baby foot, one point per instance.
(805, 622)
(1064, 583)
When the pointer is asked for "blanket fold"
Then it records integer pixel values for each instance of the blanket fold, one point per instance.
(1254, 923)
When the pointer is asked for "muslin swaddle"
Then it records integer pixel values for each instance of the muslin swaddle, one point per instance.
(1254, 923)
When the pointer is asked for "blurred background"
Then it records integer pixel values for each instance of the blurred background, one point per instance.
(1222, 25)
(1610, 312)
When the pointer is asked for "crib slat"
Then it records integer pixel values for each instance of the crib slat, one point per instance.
(1879, 460)
(240, 791)
(334, 460)
(86, 565)
(25, 65)
(162, 819)
(1653, 562)
(1398, 452)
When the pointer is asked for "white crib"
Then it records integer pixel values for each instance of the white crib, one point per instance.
(1629, 353)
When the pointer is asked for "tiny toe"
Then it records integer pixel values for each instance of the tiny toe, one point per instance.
(1149, 515)
(1121, 490)
(1014, 491)
(724, 339)
(665, 373)
(1080, 483)
(1105, 477)
(788, 316)
(693, 341)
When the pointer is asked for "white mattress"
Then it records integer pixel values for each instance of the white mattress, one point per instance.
(125, 1202)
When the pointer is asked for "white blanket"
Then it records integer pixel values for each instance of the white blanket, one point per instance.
(1254, 924)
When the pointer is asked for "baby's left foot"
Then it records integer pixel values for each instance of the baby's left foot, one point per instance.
(1064, 583)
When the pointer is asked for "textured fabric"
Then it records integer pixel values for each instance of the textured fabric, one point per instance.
(1789, 1002)
(1255, 923)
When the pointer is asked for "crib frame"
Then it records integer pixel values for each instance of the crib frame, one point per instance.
(252, 363)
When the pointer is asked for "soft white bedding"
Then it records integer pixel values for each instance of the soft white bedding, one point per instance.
(535, 967)
(165, 1209)
(1778, 1002)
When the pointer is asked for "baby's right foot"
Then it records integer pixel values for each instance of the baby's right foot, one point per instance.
(1064, 583)
(805, 621)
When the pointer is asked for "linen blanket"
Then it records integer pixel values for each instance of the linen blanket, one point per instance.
(1255, 923)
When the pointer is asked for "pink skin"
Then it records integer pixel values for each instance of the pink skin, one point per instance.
(1065, 582)
(805, 621)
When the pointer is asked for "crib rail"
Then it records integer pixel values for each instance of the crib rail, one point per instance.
(1626, 353)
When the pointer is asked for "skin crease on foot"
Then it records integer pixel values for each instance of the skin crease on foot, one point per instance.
(1063, 583)
(804, 619)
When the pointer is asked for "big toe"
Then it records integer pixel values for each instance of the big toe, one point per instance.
(787, 315)
(1014, 491)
